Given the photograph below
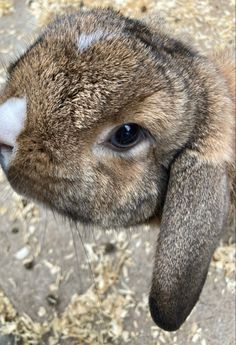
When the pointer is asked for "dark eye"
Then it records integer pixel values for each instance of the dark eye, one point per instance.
(126, 136)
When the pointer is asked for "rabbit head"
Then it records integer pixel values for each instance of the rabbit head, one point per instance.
(112, 122)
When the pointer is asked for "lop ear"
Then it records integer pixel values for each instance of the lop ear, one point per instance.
(193, 218)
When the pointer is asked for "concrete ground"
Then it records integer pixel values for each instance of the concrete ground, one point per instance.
(39, 251)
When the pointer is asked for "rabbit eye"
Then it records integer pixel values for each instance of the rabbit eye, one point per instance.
(126, 136)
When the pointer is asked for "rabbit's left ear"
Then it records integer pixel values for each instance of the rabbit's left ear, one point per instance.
(193, 218)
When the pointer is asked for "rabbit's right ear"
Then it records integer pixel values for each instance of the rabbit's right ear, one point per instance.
(194, 214)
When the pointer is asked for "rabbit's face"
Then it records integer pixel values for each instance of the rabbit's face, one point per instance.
(111, 122)
(93, 104)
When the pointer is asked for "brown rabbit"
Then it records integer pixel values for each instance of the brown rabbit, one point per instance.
(113, 122)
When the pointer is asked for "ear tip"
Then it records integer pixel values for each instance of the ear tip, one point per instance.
(166, 322)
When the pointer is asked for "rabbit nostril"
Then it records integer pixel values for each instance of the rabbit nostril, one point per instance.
(4, 147)
(5, 155)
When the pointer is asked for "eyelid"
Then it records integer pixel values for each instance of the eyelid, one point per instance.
(116, 148)
(106, 151)
(111, 131)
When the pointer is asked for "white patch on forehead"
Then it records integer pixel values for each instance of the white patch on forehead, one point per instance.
(86, 40)
(12, 118)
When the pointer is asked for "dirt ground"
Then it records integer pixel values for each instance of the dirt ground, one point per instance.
(44, 261)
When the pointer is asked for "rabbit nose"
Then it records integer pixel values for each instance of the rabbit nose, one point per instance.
(5, 155)
(12, 118)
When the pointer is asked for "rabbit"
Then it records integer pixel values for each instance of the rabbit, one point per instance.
(114, 122)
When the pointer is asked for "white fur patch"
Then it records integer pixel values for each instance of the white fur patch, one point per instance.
(86, 40)
(12, 118)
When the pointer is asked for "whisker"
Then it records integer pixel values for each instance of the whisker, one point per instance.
(44, 230)
(87, 256)
(6, 192)
(73, 232)
(79, 235)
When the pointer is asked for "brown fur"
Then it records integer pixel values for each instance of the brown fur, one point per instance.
(184, 100)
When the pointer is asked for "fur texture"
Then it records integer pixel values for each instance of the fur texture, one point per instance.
(135, 72)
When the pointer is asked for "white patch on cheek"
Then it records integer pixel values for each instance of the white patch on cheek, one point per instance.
(86, 40)
(12, 118)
